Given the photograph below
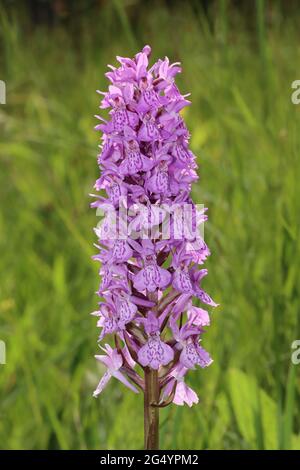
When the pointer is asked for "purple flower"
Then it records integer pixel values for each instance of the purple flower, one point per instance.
(182, 281)
(114, 314)
(155, 353)
(107, 321)
(182, 393)
(148, 131)
(151, 277)
(193, 354)
(113, 361)
(185, 394)
(126, 311)
(197, 316)
(121, 251)
(159, 181)
(134, 161)
(149, 249)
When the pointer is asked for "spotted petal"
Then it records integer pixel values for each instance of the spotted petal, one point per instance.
(155, 353)
(193, 354)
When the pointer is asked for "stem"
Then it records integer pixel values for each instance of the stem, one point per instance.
(151, 413)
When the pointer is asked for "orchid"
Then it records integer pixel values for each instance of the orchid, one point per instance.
(182, 393)
(149, 246)
(113, 361)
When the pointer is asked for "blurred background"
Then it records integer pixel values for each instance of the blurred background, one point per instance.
(239, 59)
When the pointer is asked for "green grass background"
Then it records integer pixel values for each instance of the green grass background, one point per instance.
(245, 133)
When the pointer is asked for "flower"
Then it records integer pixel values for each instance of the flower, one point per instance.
(185, 394)
(182, 393)
(155, 353)
(148, 244)
(113, 361)
(115, 313)
(187, 338)
(193, 354)
(151, 276)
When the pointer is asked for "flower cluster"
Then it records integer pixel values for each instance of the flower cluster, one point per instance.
(148, 282)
